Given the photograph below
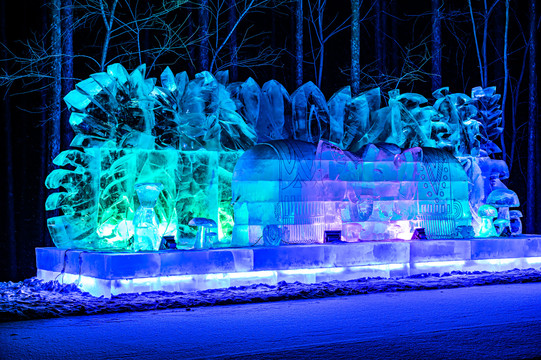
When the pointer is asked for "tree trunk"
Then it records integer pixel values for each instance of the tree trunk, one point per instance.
(192, 49)
(45, 238)
(320, 27)
(274, 74)
(108, 23)
(355, 48)
(482, 79)
(395, 51)
(56, 84)
(67, 69)
(10, 197)
(436, 45)
(145, 41)
(380, 37)
(531, 201)
(505, 78)
(484, 48)
(204, 35)
(233, 69)
(299, 22)
(43, 168)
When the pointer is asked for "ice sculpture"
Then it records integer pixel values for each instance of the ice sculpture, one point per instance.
(487, 213)
(205, 238)
(188, 135)
(516, 223)
(248, 96)
(145, 222)
(358, 129)
(489, 116)
(311, 121)
(381, 192)
(185, 135)
(274, 120)
(503, 199)
(339, 105)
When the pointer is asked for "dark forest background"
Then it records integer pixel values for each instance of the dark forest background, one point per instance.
(415, 46)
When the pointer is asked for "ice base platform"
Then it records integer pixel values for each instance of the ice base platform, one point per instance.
(112, 273)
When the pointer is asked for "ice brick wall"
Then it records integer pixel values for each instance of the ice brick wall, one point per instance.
(293, 191)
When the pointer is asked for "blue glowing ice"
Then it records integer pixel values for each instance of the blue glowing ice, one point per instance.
(378, 193)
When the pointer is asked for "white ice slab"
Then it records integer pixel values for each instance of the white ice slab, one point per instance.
(103, 273)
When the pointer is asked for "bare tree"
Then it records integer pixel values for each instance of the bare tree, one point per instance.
(505, 76)
(108, 14)
(118, 27)
(356, 21)
(379, 35)
(7, 142)
(532, 126)
(204, 19)
(355, 47)
(67, 68)
(482, 52)
(222, 33)
(233, 50)
(56, 83)
(299, 51)
(414, 59)
(436, 45)
(320, 32)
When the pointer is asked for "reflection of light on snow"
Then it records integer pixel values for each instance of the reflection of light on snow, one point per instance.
(214, 276)
(434, 264)
(533, 260)
(334, 270)
(91, 285)
(122, 283)
(302, 271)
(144, 281)
(500, 261)
(252, 275)
(384, 267)
(178, 278)
(193, 282)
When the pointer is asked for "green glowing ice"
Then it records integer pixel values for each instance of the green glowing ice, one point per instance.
(185, 136)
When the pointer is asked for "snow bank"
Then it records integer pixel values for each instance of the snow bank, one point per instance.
(35, 299)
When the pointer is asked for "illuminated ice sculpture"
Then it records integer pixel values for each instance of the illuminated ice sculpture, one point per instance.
(377, 193)
(145, 222)
(187, 135)
(184, 135)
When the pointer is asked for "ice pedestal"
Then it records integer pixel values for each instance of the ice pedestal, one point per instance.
(110, 273)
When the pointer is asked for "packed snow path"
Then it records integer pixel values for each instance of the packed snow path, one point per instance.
(492, 322)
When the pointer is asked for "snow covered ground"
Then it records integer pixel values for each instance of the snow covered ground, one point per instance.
(35, 299)
(482, 322)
